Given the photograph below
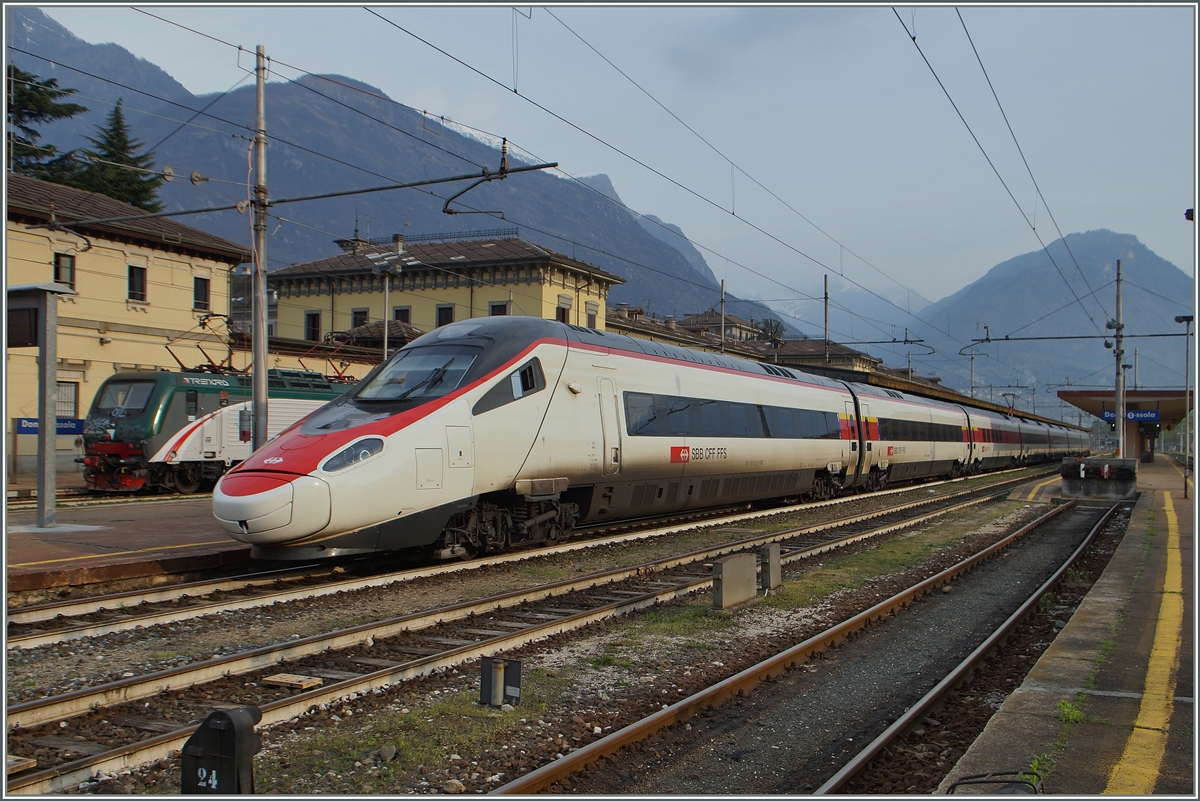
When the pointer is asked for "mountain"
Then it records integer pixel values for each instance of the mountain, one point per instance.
(1031, 296)
(334, 133)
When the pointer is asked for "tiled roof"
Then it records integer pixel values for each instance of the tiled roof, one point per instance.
(33, 199)
(808, 348)
(444, 255)
(370, 334)
(712, 317)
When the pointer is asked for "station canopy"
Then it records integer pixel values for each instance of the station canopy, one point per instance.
(1166, 407)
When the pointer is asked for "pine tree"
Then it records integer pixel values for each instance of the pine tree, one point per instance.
(32, 101)
(115, 168)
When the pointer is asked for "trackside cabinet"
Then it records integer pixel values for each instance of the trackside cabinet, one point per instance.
(218, 757)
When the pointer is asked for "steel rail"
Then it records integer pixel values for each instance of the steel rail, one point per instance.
(40, 613)
(98, 501)
(958, 675)
(134, 597)
(748, 679)
(78, 702)
(161, 746)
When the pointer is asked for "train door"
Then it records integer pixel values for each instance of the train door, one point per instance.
(854, 466)
(610, 420)
(869, 434)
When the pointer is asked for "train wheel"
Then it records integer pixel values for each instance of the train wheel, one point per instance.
(187, 478)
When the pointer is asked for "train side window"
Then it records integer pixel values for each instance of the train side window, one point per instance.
(193, 403)
(525, 380)
(710, 418)
(640, 416)
(679, 416)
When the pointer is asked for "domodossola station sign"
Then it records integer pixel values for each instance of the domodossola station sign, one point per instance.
(1135, 415)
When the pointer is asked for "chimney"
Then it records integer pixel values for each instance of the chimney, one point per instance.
(671, 323)
(398, 243)
(623, 311)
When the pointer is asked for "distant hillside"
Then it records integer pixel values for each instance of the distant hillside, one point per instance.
(318, 145)
(1027, 297)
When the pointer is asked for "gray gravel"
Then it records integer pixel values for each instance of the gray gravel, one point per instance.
(791, 735)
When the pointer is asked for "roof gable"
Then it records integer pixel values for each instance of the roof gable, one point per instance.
(35, 200)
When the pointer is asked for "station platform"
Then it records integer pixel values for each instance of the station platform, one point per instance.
(148, 539)
(24, 485)
(1108, 708)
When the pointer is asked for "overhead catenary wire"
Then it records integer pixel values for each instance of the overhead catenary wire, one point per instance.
(733, 164)
(324, 155)
(1028, 169)
(277, 62)
(423, 141)
(991, 164)
(655, 171)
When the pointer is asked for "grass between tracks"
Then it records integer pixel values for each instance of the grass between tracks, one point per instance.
(428, 730)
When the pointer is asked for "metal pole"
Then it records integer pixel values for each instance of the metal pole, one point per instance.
(722, 315)
(1187, 396)
(259, 377)
(47, 409)
(1119, 402)
(972, 374)
(827, 318)
(387, 281)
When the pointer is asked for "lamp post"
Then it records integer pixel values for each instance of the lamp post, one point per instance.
(1186, 319)
(386, 269)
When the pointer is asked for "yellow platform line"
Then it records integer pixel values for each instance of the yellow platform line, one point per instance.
(1038, 487)
(121, 553)
(1136, 772)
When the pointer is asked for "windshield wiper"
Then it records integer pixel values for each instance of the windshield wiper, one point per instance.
(434, 379)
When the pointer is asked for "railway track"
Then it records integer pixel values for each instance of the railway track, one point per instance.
(99, 501)
(63, 621)
(390, 652)
(600, 754)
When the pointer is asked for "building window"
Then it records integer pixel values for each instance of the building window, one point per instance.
(402, 314)
(563, 313)
(312, 326)
(68, 400)
(358, 317)
(200, 293)
(498, 309)
(593, 309)
(445, 315)
(64, 269)
(137, 283)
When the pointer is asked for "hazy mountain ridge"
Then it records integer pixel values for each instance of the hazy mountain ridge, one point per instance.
(1027, 297)
(309, 117)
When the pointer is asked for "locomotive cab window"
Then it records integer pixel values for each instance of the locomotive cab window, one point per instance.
(121, 398)
(420, 374)
(525, 380)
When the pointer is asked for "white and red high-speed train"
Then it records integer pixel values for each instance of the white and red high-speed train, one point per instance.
(499, 432)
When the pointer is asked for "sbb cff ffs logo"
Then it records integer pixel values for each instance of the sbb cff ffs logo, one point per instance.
(681, 454)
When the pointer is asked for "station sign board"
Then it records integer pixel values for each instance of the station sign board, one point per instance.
(1135, 415)
(65, 425)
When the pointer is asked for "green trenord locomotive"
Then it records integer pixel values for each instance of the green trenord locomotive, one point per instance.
(180, 431)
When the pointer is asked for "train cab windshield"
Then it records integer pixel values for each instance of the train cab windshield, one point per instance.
(420, 373)
(124, 398)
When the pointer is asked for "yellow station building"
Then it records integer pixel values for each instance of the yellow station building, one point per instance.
(430, 280)
(139, 286)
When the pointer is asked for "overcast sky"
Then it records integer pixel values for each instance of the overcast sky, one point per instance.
(831, 109)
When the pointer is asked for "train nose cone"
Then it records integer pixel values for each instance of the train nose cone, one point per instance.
(269, 508)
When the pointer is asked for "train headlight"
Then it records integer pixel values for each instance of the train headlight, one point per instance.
(352, 454)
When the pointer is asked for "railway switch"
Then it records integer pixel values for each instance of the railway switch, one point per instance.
(218, 757)
(499, 681)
